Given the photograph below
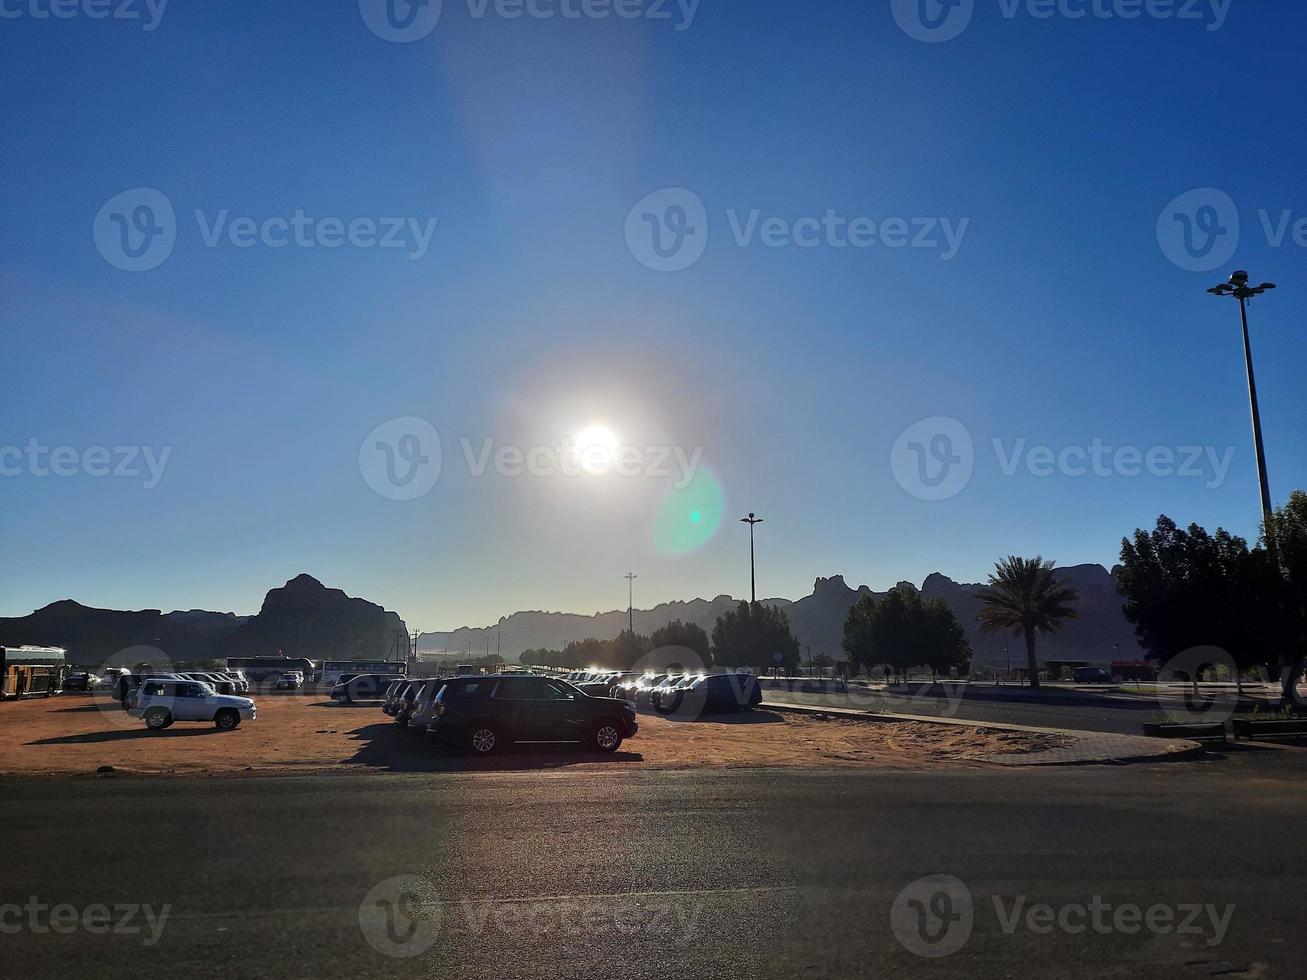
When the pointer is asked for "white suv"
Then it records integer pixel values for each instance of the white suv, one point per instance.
(161, 702)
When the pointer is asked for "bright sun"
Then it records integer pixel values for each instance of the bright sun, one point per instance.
(596, 445)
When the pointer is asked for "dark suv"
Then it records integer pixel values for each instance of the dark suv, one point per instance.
(485, 713)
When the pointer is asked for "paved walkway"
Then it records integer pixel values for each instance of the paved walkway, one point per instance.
(1081, 747)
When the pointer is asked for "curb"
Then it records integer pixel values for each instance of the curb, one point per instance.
(1088, 747)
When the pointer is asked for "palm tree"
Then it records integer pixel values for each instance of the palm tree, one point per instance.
(1022, 595)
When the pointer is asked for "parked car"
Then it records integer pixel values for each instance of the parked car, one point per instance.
(423, 708)
(1091, 675)
(223, 685)
(390, 699)
(160, 702)
(361, 687)
(291, 680)
(406, 699)
(81, 681)
(665, 683)
(710, 694)
(604, 684)
(484, 714)
(237, 677)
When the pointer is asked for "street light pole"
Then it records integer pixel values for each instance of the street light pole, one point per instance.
(753, 587)
(1238, 288)
(630, 601)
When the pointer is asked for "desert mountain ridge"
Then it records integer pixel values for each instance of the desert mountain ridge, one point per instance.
(306, 618)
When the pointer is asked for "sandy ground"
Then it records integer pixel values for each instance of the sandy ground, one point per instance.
(79, 734)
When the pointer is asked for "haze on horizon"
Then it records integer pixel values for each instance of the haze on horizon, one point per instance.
(597, 414)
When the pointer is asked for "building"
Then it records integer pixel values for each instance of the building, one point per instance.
(26, 671)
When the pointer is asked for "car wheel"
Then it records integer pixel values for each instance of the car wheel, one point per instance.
(670, 706)
(606, 737)
(227, 719)
(483, 738)
(157, 719)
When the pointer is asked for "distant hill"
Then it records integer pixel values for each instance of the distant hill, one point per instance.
(818, 621)
(303, 618)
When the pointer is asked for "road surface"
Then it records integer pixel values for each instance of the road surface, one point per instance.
(616, 873)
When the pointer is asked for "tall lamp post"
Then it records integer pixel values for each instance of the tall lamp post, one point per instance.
(1238, 288)
(753, 587)
(630, 601)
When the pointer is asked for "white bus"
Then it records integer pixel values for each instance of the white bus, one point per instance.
(335, 671)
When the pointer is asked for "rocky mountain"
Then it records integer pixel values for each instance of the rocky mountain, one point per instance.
(305, 618)
(1100, 635)
(302, 618)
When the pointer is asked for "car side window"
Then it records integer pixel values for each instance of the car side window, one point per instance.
(555, 691)
(513, 689)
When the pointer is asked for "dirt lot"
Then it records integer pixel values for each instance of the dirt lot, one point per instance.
(79, 734)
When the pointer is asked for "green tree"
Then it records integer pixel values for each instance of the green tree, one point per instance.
(626, 650)
(904, 630)
(858, 643)
(1186, 588)
(945, 645)
(1290, 525)
(589, 652)
(752, 635)
(678, 634)
(1025, 596)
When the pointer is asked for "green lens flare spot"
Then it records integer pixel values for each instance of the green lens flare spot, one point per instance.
(689, 516)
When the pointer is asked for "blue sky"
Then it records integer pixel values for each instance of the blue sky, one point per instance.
(1053, 147)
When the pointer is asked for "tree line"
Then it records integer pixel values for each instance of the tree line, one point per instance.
(1182, 589)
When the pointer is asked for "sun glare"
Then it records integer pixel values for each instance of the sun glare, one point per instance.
(596, 445)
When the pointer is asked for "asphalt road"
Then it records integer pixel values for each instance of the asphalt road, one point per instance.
(732, 873)
(1051, 708)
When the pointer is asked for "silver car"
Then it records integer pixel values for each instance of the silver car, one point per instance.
(161, 702)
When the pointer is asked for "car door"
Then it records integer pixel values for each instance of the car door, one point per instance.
(184, 701)
(512, 700)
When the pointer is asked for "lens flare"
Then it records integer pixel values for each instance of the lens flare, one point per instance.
(689, 516)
